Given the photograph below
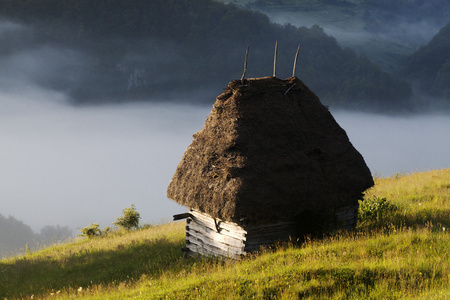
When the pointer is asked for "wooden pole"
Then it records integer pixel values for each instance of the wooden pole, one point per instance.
(275, 59)
(295, 61)
(245, 66)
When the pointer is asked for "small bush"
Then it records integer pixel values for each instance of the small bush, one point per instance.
(91, 231)
(146, 226)
(130, 218)
(373, 209)
(106, 230)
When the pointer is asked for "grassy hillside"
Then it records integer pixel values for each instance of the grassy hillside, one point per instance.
(398, 251)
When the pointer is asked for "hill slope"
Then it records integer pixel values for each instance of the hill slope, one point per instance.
(383, 31)
(115, 50)
(400, 252)
(429, 67)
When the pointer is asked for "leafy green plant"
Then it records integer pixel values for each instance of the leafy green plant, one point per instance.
(373, 209)
(91, 231)
(130, 218)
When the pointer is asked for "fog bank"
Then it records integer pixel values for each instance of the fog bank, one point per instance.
(73, 166)
(399, 144)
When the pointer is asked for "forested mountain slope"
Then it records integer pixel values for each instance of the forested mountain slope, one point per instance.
(118, 49)
(384, 31)
(429, 67)
(436, 11)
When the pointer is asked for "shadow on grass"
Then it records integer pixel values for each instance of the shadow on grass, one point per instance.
(126, 263)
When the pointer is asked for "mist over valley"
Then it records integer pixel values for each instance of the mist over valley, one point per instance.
(76, 165)
(384, 31)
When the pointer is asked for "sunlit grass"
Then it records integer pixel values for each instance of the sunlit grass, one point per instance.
(402, 255)
(119, 257)
(394, 264)
(422, 198)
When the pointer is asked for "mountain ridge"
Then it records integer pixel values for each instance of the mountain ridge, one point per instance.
(193, 45)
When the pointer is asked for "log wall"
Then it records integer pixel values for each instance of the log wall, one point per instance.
(213, 237)
(346, 216)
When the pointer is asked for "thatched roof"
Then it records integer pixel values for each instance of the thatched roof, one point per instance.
(269, 150)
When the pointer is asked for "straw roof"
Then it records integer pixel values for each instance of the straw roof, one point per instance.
(269, 150)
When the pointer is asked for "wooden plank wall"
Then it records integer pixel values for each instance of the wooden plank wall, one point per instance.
(347, 216)
(212, 237)
(268, 234)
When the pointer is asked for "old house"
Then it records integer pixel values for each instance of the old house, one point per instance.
(270, 164)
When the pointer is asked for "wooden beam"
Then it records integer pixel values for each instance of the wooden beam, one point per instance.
(245, 67)
(181, 216)
(275, 59)
(295, 61)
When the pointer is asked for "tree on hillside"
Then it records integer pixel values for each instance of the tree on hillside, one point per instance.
(14, 235)
(129, 219)
(52, 234)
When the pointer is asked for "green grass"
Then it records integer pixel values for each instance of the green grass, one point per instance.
(402, 254)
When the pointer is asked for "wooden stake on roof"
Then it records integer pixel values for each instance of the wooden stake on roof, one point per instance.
(275, 59)
(245, 66)
(295, 61)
